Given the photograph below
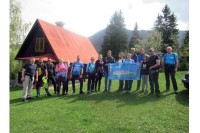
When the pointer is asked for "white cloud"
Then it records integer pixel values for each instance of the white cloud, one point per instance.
(89, 16)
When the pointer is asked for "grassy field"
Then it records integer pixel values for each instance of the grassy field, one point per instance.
(113, 112)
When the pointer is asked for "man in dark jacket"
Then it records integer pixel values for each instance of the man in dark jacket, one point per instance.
(153, 65)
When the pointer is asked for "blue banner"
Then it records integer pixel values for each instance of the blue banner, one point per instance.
(122, 71)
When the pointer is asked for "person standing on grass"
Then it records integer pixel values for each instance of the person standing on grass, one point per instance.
(170, 65)
(51, 73)
(140, 59)
(29, 72)
(65, 82)
(61, 70)
(42, 71)
(128, 83)
(153, 65)
(90, 70)
(107, 60)
(121, 60)
(134, 57)
(76, 73)
(99, 72)
(144, 74)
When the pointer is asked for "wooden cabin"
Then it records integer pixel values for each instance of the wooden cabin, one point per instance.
(53, 41)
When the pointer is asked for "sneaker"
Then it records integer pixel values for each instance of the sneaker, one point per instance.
(176, 92)
(58, 94)
(167, 90)
(105, 91)
(30, 98)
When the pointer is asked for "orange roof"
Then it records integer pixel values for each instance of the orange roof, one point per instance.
(68, 45)
(44, 57)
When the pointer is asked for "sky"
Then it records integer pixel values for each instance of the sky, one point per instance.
(86, 17)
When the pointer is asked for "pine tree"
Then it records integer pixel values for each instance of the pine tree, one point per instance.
(184, 53)
(135, 37)
(166, 24)
(116, 38)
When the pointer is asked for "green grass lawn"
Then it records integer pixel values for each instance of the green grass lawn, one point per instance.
(113, 112)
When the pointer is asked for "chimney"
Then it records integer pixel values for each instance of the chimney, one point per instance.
(60, 24)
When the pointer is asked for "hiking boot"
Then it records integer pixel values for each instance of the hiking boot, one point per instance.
(48, 94)
(158, 95)
(38, 94)
(151, 93)
(146, 92)
(142, 91)
(81, 92)
(24, 100)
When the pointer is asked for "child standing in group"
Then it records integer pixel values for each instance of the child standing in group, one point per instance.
(144, 74)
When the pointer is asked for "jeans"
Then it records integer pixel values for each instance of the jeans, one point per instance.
(169, 70)
(53, 80)
(60, 80)
(128, 85)
(107, 82)
(91, 79)
(121, 84)
(153, 79)
(98, 80)
(145, 82)
(74, 77)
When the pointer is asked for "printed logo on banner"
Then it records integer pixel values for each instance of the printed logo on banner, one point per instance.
(121, 71)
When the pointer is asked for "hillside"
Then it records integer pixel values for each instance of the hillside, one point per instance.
(97, 38)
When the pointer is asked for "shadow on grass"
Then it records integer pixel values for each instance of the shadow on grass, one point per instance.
(122, 99)
(183, 97)
(35, 99)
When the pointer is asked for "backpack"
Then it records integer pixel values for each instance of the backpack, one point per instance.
(162, 62)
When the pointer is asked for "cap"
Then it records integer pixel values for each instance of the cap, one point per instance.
(151, 49)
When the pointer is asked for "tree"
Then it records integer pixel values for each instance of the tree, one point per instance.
(184, 53)
(116, 37)
(154, 40)
(135, 37)
(166, 24)
(18, 31)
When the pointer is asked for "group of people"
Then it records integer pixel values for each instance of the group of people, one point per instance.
(65, 71)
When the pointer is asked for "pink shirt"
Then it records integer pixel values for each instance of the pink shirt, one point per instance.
(61, 67)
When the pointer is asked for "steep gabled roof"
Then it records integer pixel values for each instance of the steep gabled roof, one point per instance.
(64, 43)
(67, 44)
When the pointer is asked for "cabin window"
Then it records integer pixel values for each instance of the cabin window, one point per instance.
(39, 45)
